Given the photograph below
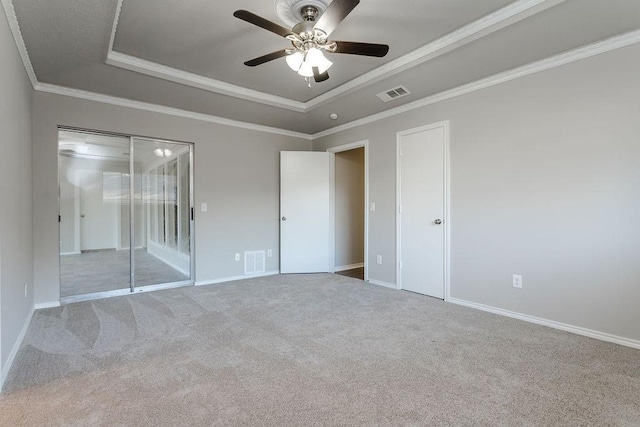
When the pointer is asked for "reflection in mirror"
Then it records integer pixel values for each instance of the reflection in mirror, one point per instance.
(97, 223)
(163, 204)
(94, 213)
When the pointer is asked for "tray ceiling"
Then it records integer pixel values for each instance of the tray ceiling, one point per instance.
(189, 54)
(203, 37)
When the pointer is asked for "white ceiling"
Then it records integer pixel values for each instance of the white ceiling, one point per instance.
(189, 54)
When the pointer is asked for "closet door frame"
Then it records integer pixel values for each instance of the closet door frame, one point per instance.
(132, 288)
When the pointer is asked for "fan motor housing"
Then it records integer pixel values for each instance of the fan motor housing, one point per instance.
(309, 13)
(305, 27)
(292, 12)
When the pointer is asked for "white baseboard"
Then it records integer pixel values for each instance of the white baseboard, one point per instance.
(233, 278)
(14, 350)
(381, 283)
(69, 253)
(603, 336)
(349, 267)
(52, 304)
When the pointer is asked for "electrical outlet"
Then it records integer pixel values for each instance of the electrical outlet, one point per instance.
(379, 259)
(517, 281)
(237, 257)
(269, 253)
(26, 290)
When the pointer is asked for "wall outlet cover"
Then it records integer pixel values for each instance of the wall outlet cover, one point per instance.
(517, 281)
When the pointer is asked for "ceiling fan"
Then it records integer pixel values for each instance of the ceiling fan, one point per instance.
(310, 37)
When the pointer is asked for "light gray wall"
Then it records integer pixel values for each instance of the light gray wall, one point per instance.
(349, 207)
(236, 173)
(545, 182)
(16, 255)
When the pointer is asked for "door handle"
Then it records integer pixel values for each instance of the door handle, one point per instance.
(284, 218)
(437, 222)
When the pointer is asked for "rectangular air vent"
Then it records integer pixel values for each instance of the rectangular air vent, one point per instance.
(254, 262)
(395, 93)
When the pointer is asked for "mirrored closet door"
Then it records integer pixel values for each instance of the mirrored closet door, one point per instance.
(98, 175)
(162, 212)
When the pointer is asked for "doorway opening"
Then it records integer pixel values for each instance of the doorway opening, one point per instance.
(350, 209)
(100, 174)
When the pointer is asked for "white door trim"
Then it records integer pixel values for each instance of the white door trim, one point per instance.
(447, 218)
(338, 149)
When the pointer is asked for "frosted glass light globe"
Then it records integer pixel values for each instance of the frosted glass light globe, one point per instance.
(316, 59)
(294, 61)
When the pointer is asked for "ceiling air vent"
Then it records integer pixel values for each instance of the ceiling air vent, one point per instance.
(394, 93)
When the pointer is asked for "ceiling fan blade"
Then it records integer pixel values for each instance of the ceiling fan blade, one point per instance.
(266, 58)
(366, 49)
(335, 14)
(319, 77)
(254, 19)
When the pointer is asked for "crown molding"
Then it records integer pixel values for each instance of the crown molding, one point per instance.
(568, 57)
(10, 13)
(584, 52)
(142, 66)
(607, 45)
(114, 26)
(164, 72)
(139, 105)
(510, 14)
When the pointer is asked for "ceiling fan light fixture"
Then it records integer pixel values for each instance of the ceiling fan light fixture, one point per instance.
(315, 58)
(314, 22)
(294, 60)
(306, 70)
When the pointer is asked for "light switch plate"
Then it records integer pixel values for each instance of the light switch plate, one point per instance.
(372, 206)
(203, 207)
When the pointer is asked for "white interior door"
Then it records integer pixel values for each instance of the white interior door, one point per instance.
(421, 198)
(98, 216)
(305, 212)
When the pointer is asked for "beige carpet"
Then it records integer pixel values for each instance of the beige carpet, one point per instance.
(309, 350)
